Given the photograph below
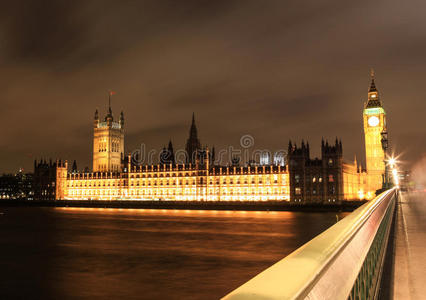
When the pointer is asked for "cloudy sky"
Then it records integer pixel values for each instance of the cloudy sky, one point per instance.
(276, 70)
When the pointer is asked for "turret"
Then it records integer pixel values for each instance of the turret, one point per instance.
(213, 156)
(122, 118)
(96, 119)
(308, 150)
(206, 159)
(74, 167)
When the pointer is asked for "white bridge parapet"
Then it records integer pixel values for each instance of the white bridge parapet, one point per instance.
(343, 262)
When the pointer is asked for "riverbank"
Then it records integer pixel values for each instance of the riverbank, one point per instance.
(346, 206)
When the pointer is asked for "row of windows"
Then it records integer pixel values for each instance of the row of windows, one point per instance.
(314, 178)
(181, 192)
(314, 191)
(100, 183)
(103, 146)
(236, 177)
(104, 167)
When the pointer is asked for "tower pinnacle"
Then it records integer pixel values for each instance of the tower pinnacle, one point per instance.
(193, 130)
(193, 145)
(372, 85)
(373, 93)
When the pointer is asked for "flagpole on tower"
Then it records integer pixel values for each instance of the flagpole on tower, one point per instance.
(109, 100)
(110, 93)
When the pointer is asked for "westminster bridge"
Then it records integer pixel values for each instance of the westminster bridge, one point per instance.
(376, 252)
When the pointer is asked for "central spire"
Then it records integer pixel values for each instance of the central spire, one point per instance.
(193, 131)
(193, 145)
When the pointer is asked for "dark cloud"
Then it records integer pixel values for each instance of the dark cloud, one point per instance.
(272, 69)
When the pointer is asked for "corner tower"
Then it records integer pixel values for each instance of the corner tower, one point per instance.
(108, 142)
(374, 125)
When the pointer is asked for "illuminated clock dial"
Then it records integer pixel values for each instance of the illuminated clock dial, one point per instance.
(373, 121)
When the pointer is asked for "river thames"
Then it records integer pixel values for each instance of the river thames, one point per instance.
(95, 253)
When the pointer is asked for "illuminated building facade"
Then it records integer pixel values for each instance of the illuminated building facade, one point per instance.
(182, 183)
(297, 178)
(196, 180)
(374, 126)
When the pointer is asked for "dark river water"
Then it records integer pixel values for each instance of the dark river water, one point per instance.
(83, 253)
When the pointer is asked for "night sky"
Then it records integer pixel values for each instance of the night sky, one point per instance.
(276, 70)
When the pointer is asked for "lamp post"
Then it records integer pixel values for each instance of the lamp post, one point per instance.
(385, 145)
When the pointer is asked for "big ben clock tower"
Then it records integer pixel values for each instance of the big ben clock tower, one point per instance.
(374, 125)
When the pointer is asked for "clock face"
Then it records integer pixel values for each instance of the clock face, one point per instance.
(373, 121)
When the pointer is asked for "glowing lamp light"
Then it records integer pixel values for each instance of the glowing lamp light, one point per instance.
(392, 162)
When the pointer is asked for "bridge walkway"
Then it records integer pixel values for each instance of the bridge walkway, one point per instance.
(409, 274)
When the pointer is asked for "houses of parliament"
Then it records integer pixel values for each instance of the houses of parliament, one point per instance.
(301, 178)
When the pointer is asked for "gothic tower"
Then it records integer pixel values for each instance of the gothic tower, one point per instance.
(374, 126)
(193, 145)
(108, 142)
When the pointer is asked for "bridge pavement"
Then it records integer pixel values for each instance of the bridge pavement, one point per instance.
(409, 280)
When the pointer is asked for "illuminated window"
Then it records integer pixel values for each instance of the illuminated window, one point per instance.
(297, 191)
(330, 178)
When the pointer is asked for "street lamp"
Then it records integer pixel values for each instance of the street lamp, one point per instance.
(392, 162)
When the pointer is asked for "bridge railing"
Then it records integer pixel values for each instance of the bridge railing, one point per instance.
(343, 262)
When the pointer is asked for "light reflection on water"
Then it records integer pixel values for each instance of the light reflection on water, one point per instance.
(98, 253)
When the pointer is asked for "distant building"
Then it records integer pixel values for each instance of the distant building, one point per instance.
(279, 159)
(405, 180)
(16, 186)
(48, 183)
(265, 158)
